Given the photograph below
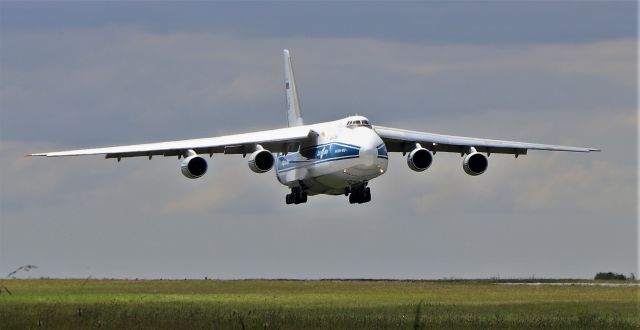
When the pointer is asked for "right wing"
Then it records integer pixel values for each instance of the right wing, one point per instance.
(401, 140)
(278, 140)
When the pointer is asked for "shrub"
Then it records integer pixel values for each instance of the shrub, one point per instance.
(610, 276)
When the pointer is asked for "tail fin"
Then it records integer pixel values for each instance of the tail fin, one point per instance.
(294, 117)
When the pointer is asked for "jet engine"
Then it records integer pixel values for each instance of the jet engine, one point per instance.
(475, 163)
(419, 159)
(261, 161)
(193, 166)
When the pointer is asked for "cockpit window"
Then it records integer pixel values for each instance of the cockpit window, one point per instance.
(357, 123)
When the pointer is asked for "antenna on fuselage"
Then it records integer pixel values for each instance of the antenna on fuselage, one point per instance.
(294, 116)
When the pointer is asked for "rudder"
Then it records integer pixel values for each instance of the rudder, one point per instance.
(294, 116)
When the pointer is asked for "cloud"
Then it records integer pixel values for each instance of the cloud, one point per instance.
(152, 84)
(608, 60)
(208, 199)
(421, 23)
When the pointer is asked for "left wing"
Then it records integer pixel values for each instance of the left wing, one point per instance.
(400, 140)
(278, 140)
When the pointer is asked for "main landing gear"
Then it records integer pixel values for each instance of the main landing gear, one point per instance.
(360, 194)
(297, 196)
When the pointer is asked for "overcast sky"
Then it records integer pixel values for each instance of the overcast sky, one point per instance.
(76, 74)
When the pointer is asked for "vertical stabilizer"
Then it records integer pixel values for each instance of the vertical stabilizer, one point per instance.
(294, 117)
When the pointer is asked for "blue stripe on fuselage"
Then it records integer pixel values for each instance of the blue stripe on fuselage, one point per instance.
(331, 143)
(330, 150)
(317, 154)
(301, 164)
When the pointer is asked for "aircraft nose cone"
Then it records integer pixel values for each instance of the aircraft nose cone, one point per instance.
(368, 154)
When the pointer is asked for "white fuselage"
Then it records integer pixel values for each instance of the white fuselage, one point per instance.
(337, 158)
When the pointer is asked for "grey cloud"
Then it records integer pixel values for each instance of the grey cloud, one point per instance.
(415, 22)
(170, 86)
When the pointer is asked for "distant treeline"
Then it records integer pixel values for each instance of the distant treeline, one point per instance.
(613, 276)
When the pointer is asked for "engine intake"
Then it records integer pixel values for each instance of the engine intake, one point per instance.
(419, 159)
(475, 163)
(193, 167)
(261, 161)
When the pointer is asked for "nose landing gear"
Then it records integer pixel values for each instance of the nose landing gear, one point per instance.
(360, 194)
(297, 196)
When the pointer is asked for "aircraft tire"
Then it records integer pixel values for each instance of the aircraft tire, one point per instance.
(352, 198)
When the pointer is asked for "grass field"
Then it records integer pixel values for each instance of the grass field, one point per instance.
(263, 304)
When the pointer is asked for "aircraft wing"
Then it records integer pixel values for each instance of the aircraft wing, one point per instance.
(277, 140)
(400, 140)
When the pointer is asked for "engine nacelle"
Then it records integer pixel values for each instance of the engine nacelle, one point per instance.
(419, 159)
(261, 161)
(193, 167)
(475, 163)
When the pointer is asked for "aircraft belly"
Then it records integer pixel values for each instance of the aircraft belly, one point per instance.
(329, 174)
(331, 177)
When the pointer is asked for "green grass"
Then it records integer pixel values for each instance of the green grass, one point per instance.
(260, 304)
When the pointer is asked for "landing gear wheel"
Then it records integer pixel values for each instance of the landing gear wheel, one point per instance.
(360, 195)
(297, 196)
(352, 198)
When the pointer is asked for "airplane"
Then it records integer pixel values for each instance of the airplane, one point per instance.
(334, 158)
